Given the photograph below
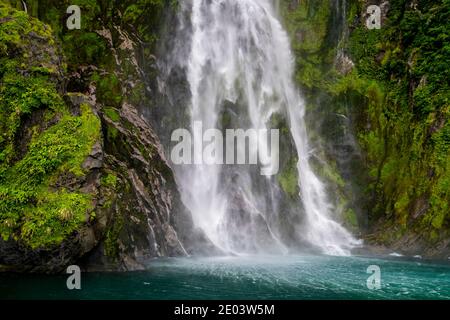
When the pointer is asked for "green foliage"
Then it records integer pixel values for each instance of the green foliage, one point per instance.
(350, 218)
(22, 91)
(364, 46)
(109, 90)
(111, 132)
(317, 36)
(398, 93)
(84, 48)
(19, 97)
(402, 76)
(136, 11)
(112, 114)
(55, 216)
(53, 12)
(110, 181)
(308, 26)
(331, 174)
(37, 207)
(30, 210)
(16, 25)
(112, 235)
(145, 16)
(288, 179)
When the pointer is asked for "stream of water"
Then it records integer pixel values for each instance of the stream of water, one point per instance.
(240, 56)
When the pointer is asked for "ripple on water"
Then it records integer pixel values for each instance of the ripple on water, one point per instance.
(247, 277)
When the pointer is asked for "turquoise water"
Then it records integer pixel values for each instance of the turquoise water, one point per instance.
(251, 277)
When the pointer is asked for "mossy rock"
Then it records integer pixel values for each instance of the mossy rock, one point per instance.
(32, 211)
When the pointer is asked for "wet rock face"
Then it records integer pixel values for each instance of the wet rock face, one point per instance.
(17, 256)
(257, 236)
(344, 64)
(145, 217)
(136, 211)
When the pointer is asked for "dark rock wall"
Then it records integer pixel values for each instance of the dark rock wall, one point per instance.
(135, 207)
(378, 100)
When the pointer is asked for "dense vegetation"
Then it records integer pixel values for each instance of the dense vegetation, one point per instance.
(387, 88)
(397, 95)
(61, 95)
(82, 176)
(32, 208)
(404, 70)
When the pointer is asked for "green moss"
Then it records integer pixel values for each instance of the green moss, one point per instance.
(111, 132)
(110, 181)
(111, 244)
(22, 91)
(330, 173)
(401, 75)
(55, 216)
(112, 114)
(316, 36)
(137, 94)
(136, 12)
(308, 26)
(63, 146)
(109, 90)
(84, 48)
(350, 218)
(17, 25)
(132, 13)
(20, 96)
(398, 94)
(288, 179)
(30, 211)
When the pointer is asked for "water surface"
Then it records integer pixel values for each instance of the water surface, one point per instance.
(250, 277)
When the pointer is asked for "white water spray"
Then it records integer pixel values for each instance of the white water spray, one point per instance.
(240, 54)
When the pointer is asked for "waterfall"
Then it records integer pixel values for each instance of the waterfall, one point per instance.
(239, 62)
(25, 8)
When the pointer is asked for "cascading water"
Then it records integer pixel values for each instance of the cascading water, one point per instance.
(240, 56)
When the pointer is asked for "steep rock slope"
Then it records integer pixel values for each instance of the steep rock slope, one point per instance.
(402, 74)
(82, 179)
(379, 100)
